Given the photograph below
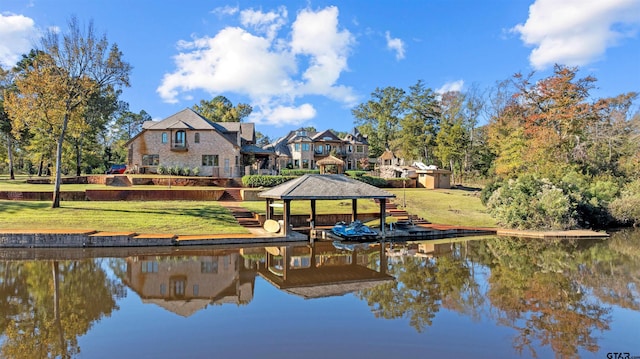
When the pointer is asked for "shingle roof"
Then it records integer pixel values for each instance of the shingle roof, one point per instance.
(314, 186)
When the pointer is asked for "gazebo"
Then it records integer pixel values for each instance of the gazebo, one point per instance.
(315, 187)
(329, 161)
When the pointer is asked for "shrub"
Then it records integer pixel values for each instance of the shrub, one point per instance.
(162, 170)
(355, 173)
(531, 203)
(626, 209)
(186, 171)
(374, 181)
(264, 181)
(297, 172)
(195, 171)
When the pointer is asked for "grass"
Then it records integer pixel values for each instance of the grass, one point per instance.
(450, 206)
(176, 217)
(445, 206)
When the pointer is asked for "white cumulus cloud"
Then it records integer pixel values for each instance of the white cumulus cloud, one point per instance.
(273, 70)
(452, 86)
(18, 34)
(576, 32)
(395, 44)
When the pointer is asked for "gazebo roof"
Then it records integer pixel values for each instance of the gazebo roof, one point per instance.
(327, 187)
(330, 160)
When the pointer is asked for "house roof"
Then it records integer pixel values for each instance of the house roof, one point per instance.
(326, 135)
(187, 117)
(190, 120)
(315, 186)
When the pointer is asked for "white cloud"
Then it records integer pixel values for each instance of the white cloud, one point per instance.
(225, 10)
(17, 36)
(266, 23)
(284, 115)
(455, 86)
(273, 71)
(576, 32)
(395, 44)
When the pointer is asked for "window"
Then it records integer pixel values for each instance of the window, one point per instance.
(327, 148)
(150, 160)
(296, 147)
(305, 163)
(163, 289)
(237, 161)
(196, 138)
(165, 138)
(210, 160)
(149, 267)
(196, 290)
(305, 147)
(350, 148)
(359, 148)
(296, 163)
(209, 266)
(178, 286)
(180, 139)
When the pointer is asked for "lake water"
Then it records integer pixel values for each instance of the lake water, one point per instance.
(489, 297)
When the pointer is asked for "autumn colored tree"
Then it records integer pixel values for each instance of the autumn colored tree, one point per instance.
(54, 91)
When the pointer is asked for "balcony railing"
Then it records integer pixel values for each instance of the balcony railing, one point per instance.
(179, 147)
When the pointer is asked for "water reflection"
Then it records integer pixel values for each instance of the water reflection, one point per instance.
(552, 294)
(47, 305)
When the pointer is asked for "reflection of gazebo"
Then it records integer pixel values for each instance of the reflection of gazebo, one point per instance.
(331, 161)
(324, 187)
(302, 271)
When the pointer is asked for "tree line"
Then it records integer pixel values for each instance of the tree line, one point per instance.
(553, 156)
(545, 142)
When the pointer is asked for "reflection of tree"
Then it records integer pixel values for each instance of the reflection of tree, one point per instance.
(533, 286)
(612, 269)
(422, 285)
(60, 303)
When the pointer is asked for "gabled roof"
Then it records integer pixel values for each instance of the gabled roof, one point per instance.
(314, 186)
(190, 120)
(187, 117)
(326, 134)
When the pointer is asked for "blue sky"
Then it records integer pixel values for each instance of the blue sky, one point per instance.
(309, 63)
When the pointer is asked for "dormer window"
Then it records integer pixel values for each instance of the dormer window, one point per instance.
(301, 133)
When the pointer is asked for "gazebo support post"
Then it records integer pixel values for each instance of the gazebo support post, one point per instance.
(286, 216)
(383, 219)
(269, 211)
(354, 209)
(312, 220)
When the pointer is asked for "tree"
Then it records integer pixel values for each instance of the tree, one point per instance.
(420, 123)
(379, 118)
(452, 139)
(55, 90)
(220, 109)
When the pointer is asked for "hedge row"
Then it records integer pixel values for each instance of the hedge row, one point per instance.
(374, 181)
(297, 172)
(264, 181)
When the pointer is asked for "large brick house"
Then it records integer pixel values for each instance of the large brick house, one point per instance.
(303, 149)
(186, 139)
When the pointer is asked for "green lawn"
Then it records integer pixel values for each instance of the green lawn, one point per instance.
(451, 206)
(445, 206)
(177, 217)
